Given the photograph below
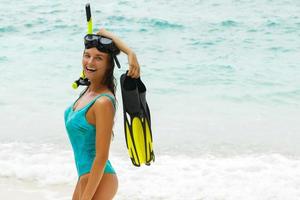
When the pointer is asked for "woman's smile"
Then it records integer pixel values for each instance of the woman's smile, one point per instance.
(89, 69)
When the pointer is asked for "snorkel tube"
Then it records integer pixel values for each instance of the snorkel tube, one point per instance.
(83, 80)
(89, 19)
(102, 43)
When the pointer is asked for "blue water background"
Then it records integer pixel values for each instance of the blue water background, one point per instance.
(222, 76)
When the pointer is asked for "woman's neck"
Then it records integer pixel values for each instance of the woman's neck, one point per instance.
(94, 88)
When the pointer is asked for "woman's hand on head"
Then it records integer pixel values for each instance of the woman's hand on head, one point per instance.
(134, 67)
(105, 33)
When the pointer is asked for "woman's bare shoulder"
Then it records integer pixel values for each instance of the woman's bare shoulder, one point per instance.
(104, 103)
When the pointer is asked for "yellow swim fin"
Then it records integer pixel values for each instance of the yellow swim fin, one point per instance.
(137, 122)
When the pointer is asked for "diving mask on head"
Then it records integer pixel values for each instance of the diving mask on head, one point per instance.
(103, 44)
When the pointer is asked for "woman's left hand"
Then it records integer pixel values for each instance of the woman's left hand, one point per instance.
(105, 33)
(134, 67)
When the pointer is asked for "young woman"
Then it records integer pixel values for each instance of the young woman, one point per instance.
(89, 122)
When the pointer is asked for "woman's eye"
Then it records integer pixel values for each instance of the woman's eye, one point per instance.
(98, 58)
(86, 55)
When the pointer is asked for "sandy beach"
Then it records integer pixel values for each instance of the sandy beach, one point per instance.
(17, 189)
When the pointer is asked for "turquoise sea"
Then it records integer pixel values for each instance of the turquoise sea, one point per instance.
(223, 86)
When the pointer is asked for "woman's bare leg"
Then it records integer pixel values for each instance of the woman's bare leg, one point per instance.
(82, 183)
(107, 188)
(76, 192)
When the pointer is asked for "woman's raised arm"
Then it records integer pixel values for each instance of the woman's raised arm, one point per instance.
(134, 67)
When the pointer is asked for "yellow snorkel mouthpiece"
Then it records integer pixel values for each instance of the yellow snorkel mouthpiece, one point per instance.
(81, 81)
(74, 85)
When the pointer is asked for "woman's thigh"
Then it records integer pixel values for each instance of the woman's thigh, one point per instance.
(107, 188)
(76, 192)
(80, 186)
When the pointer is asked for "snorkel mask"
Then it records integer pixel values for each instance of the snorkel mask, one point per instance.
(103, 44)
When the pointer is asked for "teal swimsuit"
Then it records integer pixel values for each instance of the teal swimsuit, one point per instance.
(82, 137)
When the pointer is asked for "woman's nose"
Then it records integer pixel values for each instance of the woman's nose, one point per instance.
(90, 60)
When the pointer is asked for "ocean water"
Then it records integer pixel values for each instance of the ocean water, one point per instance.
(223, 81)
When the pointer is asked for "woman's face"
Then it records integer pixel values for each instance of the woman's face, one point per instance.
(94, 64)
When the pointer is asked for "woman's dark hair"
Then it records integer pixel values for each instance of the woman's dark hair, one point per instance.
(109, 80)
